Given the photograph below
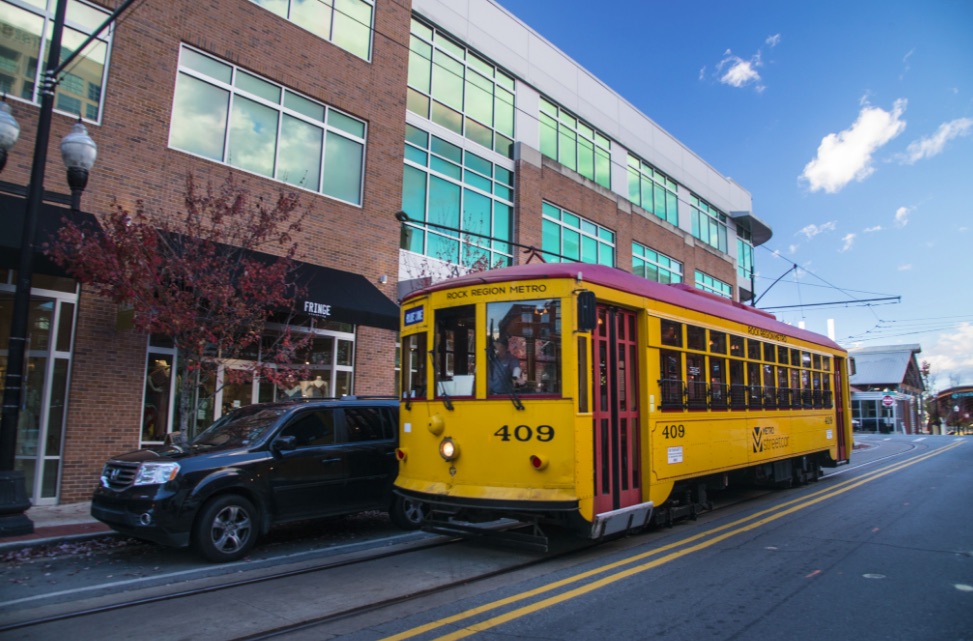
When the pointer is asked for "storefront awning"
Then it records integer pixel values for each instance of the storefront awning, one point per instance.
(12, 211)
(344, 297)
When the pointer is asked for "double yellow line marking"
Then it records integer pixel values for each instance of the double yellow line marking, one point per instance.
(668, 553)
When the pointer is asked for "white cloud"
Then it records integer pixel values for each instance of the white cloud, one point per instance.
(847, 155)
(737, 72)
(848, 241)
(813, 230)
(773, 40)
(952, 355)
(869, 230)
(933, 145)
(792, 249)
(902, 216)
(905, 267)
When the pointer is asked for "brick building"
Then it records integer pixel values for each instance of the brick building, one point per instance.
(452, 111)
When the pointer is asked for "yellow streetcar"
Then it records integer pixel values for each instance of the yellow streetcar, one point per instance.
(587, 397)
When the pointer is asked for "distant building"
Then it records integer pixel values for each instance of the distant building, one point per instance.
(953, 409)
(886, 389)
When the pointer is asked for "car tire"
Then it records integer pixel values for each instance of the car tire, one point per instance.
(226, 529)
(407, 514)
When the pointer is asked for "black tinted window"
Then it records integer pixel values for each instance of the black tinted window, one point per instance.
(312, 429)
(368, 423)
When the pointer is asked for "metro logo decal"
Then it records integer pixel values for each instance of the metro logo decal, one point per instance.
(771, 442)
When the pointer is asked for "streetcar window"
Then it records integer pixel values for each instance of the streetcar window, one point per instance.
(769, 353)
(717, 342)
(795, 358)
(783, 355)
(738, 386)
(696, 381)
(695, 337)
(736, 346)
(717, 380)
(795, 388)
(817, 361)
(414, 366)
(454, 351)
(671, 333)
(826, 363)
(671, 381)
(805, 359)
(753, 350)
(755, 388)
(783, 392)
(524, 347)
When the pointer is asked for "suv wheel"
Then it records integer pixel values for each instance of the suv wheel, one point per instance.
(226, 529)
(406, 513)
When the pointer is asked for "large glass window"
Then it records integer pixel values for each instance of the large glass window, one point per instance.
(345, 23)
(654, 265)
(575, 144)
(708, 224)
(228, 115)
(447, 185)
(524, 347)
(652, 190)
(454, 352)
(23, 54)
(460, 90)
(744, 255)
(712, 285)
(570, 237)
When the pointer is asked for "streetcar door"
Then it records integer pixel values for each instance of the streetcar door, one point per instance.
(616, 411)
(841, 421)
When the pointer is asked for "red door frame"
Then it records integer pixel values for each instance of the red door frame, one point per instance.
(616, 410)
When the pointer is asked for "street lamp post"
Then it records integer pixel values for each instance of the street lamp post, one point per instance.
(78, 152)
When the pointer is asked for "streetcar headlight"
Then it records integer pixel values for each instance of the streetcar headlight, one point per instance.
(448, 449)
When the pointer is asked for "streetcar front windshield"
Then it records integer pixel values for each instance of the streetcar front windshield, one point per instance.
(524, 347)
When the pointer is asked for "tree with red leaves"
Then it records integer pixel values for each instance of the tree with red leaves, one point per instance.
(200, 278)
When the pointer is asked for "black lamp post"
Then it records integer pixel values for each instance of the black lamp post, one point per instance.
(79, 152)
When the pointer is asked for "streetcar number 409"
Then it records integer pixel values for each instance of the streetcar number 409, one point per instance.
(525, 433)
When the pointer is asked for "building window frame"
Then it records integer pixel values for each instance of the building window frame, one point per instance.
(713, 285)
(655, 266)
(82, 95)
(652, 190)
(446, 184)
(282, 120)
(574, 143)
(460, 90)
(568, 236)
(340, 22)
(708, 224)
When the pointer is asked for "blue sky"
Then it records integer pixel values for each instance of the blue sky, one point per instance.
(850, 123)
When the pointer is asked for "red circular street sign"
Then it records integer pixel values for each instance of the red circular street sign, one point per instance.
(888, 401)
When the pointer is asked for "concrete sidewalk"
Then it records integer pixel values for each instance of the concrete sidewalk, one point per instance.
(53, 523)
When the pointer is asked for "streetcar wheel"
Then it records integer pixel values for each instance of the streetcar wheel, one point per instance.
(406, 513)
(226, 529)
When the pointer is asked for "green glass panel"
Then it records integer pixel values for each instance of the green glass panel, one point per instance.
(420, 65)
(589, 250)
(502, 223)
(548, 136)
(414, 193)
(479, 134)
(447, 80)
(503, 146)
(478, 164)
(476, 212)
(606, 257)
(502, 175)
(206, 65)
(416, 136)
(478, 181)
(586, 132)
(505, 193)
(313, 16)
(445, 249)
(303, 106)
(660, 200)
(634, 162)
(253, 136)
(446, 44)
(353, 27)
(479, 102)
(345, 123)
(301, 150)
(475, 62)
(416, 155)
(343, 168)
(571, 244)
(503, 119)
(551, 240)
(548, 108)
(634, 192)
(257, 86)
(586, 159)
(449, 118)
(652, 273)
(417, 103)
(672, 208)
(421, 30)
(444, 203)
(447, 150)
(567, 150)
(569, 120)
(278, 7)
(606, 234)
(570, 220)
(603, 169)
(505, 81)
(445, 167)
(589, 228)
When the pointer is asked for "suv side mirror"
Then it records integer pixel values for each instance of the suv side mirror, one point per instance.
(282, 443)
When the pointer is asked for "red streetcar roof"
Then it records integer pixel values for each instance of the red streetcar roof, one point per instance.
(680, 295)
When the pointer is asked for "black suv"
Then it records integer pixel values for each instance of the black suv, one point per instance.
(256, 467)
